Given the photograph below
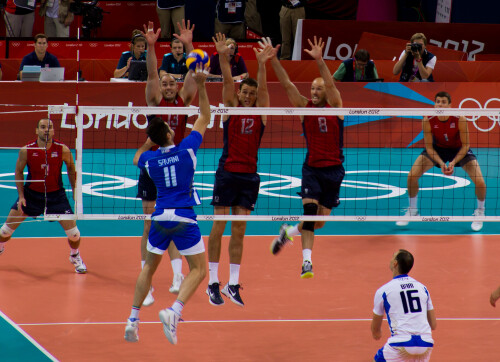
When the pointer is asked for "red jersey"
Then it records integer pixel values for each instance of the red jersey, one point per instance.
(324, 139)
(176, 121)
(242, 136)
(45, 165)
(445, 134)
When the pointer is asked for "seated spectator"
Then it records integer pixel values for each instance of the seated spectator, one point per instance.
(357, 69)
(415, 63)
(58, 18)
(238, 67)
(175, 61)
(137, 52)
(40, 56)
(19, 18)
(230, 18)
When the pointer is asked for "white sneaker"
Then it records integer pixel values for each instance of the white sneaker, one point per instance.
(170, 319)
(409, 212)
(149, 298)
(132, 331)
(176, 283)
(77, 261)
(477, 225)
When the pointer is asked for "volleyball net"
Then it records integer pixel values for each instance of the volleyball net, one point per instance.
(380, 147)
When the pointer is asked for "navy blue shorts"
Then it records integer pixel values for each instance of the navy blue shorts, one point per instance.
(448, 154)
(322, 184)
(57, 202)
(236, 189)
(146, 189)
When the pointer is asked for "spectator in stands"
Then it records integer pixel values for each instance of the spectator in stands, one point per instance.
(230, 18)
(58, 18)
(238, 67)
(415, 63)
(40, 56)
(170, 13)
(291, 12)
(357, 69)
(19, 18)
(137, 52)
(175, 61)
(252, 16)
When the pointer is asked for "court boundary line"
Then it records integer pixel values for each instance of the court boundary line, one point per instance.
(28, 337)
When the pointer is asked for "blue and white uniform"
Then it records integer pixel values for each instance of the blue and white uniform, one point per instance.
(172, 171)
(405, 301)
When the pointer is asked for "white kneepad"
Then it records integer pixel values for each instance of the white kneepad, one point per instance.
(73, 234)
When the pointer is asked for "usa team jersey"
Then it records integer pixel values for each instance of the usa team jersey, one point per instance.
(324, 138)
(172, 171)
(242, 136)
(44, 165)
(445, 134)
(176, 121)
(406, 302)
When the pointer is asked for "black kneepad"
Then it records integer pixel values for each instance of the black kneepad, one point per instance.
(310, 209)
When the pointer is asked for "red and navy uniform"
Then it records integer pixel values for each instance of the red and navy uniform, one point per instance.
(236, 180)
(322, 172)
(146, 189)
(176, 121)
(324, 138)
(242, 136)
(44, 165)
(48, 196)
(445, 134)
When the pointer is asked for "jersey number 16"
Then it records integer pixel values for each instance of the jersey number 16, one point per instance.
(411, 303)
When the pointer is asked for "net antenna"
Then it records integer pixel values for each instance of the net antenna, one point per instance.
(380, 146)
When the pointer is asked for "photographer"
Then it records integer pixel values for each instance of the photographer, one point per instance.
(415, 63)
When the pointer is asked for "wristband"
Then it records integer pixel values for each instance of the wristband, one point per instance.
(418, 60)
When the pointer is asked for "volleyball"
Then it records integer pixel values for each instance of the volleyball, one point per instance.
(195, 57)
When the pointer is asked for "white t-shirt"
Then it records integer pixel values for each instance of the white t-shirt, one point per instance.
(431, 63)
(406, 302)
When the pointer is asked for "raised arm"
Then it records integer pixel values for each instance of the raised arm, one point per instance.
(228, 94)
(153, 93)
(145, 147)
(188, 90)
(67, 157)
(398, 67)
(201, 123)
(316, 52)
(19, 176)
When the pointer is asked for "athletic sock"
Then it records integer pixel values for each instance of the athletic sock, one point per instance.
(213, 271)
(306, 255)
(413, 202)
(480, 204)
(73, 252)
(176, 265)
(134, 314)
(234, 274)
(293, 230)
(178, 306)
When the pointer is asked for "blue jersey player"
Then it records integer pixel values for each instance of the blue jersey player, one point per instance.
(172, 168)
(410, 314)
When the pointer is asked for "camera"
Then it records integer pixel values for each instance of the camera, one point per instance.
(416, 47)
(91, 13)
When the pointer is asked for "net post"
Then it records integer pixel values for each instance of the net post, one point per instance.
(79, 164)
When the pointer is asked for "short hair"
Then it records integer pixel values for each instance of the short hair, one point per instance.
(41, 36)
(418, 36)
(250, 82)
(157, 131)
(175, 40)
(405, 261)
(362, 55)
(443, 94)
(44, 119)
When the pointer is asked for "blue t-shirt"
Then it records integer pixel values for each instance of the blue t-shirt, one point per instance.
(126, 55)
(170, 65)
(172, 171)
(49, 61)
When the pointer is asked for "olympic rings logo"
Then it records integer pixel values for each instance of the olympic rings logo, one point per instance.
(473, 119)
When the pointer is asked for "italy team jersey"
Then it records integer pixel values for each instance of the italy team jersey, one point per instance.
(406, 302)
(172, 171)
(445, 134)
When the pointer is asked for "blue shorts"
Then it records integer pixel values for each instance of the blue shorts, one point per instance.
(56, 201)
(236, 189)
(177, 225)
(322, 184)
(146, 189)
(448, 154)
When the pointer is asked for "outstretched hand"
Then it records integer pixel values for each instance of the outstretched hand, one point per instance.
(200, 74)
(150, 35)
(264, 54)
(220, 44)
(316, 51)
(266, 42)
(186, 32)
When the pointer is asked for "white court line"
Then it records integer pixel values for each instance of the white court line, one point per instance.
(257, 321)
(28, 337)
